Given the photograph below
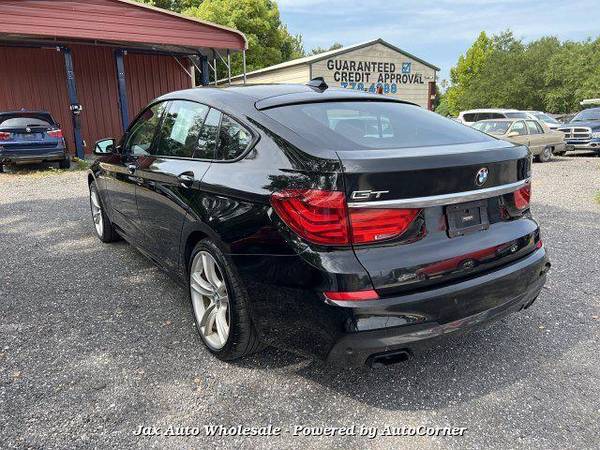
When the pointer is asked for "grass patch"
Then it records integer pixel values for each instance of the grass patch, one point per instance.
(45, 170)
(597, 197)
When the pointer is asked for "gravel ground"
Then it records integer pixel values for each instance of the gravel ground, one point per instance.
(95, 342)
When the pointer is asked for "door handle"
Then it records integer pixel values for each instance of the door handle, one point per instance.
(131, 168)
(186, 179)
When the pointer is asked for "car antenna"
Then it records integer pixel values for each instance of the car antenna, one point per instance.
(317, 83)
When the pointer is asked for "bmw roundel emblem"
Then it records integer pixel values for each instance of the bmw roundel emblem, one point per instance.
(482, 176)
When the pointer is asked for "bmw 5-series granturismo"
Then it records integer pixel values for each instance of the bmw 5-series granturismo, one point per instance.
(340, 225)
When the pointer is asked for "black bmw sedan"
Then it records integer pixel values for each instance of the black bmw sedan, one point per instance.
(345, 226)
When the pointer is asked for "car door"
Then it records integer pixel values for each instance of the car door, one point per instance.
(518, 133)
(120, 170)
(169, 175)
(537, 141)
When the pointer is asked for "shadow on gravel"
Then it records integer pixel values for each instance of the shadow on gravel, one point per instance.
(106, 317)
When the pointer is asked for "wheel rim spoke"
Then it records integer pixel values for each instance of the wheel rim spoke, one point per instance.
(210, 300)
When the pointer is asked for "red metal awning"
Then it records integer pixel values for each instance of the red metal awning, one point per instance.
(122, 22)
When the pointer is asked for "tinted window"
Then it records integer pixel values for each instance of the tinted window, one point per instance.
(372, 125)
(233, 139)
(470, 117)
(141, 133)
(180, 129)
(519, 128)
(25, 120)
(207, 142)
(534, 128)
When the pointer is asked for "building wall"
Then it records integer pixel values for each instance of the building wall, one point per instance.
(294, 74)
(414, 87)
(35, 79)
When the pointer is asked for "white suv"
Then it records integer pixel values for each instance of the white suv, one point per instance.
(475, 115)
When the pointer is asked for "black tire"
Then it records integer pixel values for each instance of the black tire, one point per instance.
(243, 338)
(546, 154)
(65, 163)
(108, 233)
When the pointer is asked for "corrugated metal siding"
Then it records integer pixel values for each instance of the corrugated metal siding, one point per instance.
(149, 76)
(110, 20)
(95, 73)
(34, 79)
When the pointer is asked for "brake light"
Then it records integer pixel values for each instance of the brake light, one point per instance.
(4, 136)
(523, 197)
(322, 217)
(352, 296)
(372, 225)
(55, 134)
(318, 216)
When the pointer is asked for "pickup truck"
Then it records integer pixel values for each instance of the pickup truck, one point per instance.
(583, 131)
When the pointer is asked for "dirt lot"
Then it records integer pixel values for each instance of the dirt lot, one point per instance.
(95, 342)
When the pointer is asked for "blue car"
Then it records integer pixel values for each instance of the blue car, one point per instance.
(583, 131)
(28, 137)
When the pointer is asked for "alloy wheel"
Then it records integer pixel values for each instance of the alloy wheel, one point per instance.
(96, 212)
(210, 300)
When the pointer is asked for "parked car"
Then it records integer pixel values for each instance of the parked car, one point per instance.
(476, 115)
(546, 119)
(293, 226)
(28, 137)
(583, 131)
(542, 141)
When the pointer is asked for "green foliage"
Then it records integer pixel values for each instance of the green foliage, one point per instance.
(317, 50)
(269, 41)
(503, 72)
(173, 5)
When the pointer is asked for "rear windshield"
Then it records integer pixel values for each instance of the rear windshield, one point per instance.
(372, 125)
(23, 120)
(492, 126)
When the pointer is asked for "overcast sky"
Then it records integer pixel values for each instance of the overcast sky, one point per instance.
(437, 31)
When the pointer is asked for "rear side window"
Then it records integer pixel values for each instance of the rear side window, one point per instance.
(207, 142)
(534, 128)
(181, 129)
(470, 117)
(516, 115)
(372, 125)
(234, 139)
(24, 120)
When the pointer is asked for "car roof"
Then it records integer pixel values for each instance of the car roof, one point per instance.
(470, 111)
(263, 96)
(504, 119)
(24, 112)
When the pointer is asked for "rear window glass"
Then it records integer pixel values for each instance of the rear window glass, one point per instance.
(25, 120)
(372, 125)
(492, 127)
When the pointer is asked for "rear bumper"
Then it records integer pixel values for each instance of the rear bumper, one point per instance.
(470, 303)
(26, 156)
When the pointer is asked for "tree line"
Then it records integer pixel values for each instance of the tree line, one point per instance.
(502, 71)
(269, 41)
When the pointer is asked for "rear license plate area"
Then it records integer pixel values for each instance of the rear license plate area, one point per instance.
(467, 217)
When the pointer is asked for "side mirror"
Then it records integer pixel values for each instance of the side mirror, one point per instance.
(512, 134)
(104, 147)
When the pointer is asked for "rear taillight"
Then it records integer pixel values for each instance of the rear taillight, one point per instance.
(372, 225)
(4, 136)
(522, 197)
(318, 216)
(55, 134)
(322, 217)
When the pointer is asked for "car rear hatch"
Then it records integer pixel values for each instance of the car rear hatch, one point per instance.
(465, 217)
(28, 131)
